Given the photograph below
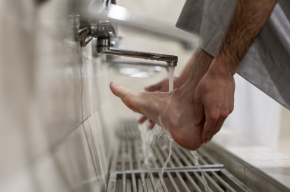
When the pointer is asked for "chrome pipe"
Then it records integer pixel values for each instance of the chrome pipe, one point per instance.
(171, 60)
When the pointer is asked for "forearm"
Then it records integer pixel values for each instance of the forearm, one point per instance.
(199, 66)
(247, 21)
(186, 70)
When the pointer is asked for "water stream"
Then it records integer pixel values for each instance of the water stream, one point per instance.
(171, 77)
(149, 138)
(195, 160)
(167, 134)
(169, 154)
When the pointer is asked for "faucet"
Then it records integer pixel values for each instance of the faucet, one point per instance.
(104, 32)
(103, 46)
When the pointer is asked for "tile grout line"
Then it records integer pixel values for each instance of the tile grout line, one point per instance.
(54, 146)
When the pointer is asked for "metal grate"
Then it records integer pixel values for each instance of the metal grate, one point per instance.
(180, 174)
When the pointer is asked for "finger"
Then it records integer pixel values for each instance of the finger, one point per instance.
(154, 87)
(218, 127)
(210, 122)
(152, 124)
(142, 119)
(198, 111)
(220, 122)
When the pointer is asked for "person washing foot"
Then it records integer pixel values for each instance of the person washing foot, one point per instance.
(171, 110)
(204, 93)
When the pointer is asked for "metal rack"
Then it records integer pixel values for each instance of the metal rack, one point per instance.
(127, 173)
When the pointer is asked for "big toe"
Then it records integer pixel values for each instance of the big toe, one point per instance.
(148, 104)
(118, 90)
(128, 97)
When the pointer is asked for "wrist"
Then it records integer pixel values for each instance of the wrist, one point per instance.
(227, 60)
(222, 66)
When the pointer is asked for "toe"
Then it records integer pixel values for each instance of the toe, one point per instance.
(128, 97)
(148, 104)
(118, 90)
(142, 119)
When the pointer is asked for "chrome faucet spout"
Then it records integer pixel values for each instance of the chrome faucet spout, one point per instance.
(104, 33)
(171, 60)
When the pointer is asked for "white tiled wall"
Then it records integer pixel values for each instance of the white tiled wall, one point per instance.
(52, 135)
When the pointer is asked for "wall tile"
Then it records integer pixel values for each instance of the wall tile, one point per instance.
(93, 99)
(87, 51)
(96, 144)
(96, 88)
(20, 180)
(68, 167)
(85, 87)
(22, 12)
(57, 88)
(40, 97)
(73, 85)
(16, 90)
(53, 18)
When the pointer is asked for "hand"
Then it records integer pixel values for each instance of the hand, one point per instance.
(162, 86)
(172, 110)
(214, 99)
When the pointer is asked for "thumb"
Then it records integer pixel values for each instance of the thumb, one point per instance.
(198, 111)
(154, 87)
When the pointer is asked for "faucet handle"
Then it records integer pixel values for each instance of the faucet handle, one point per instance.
(102, 29)
(85, 31)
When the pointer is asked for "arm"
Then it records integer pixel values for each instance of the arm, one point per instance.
(214, 96)
(186, 71)
(246, 23)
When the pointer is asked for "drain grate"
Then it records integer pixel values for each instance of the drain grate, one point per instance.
(180, 174)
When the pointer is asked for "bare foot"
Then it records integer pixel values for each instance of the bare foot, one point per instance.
(161, 86)
(171, 110)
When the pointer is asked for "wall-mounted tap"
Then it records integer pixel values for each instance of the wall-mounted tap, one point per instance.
(106, 39)
(103, 46)
(104, 32)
